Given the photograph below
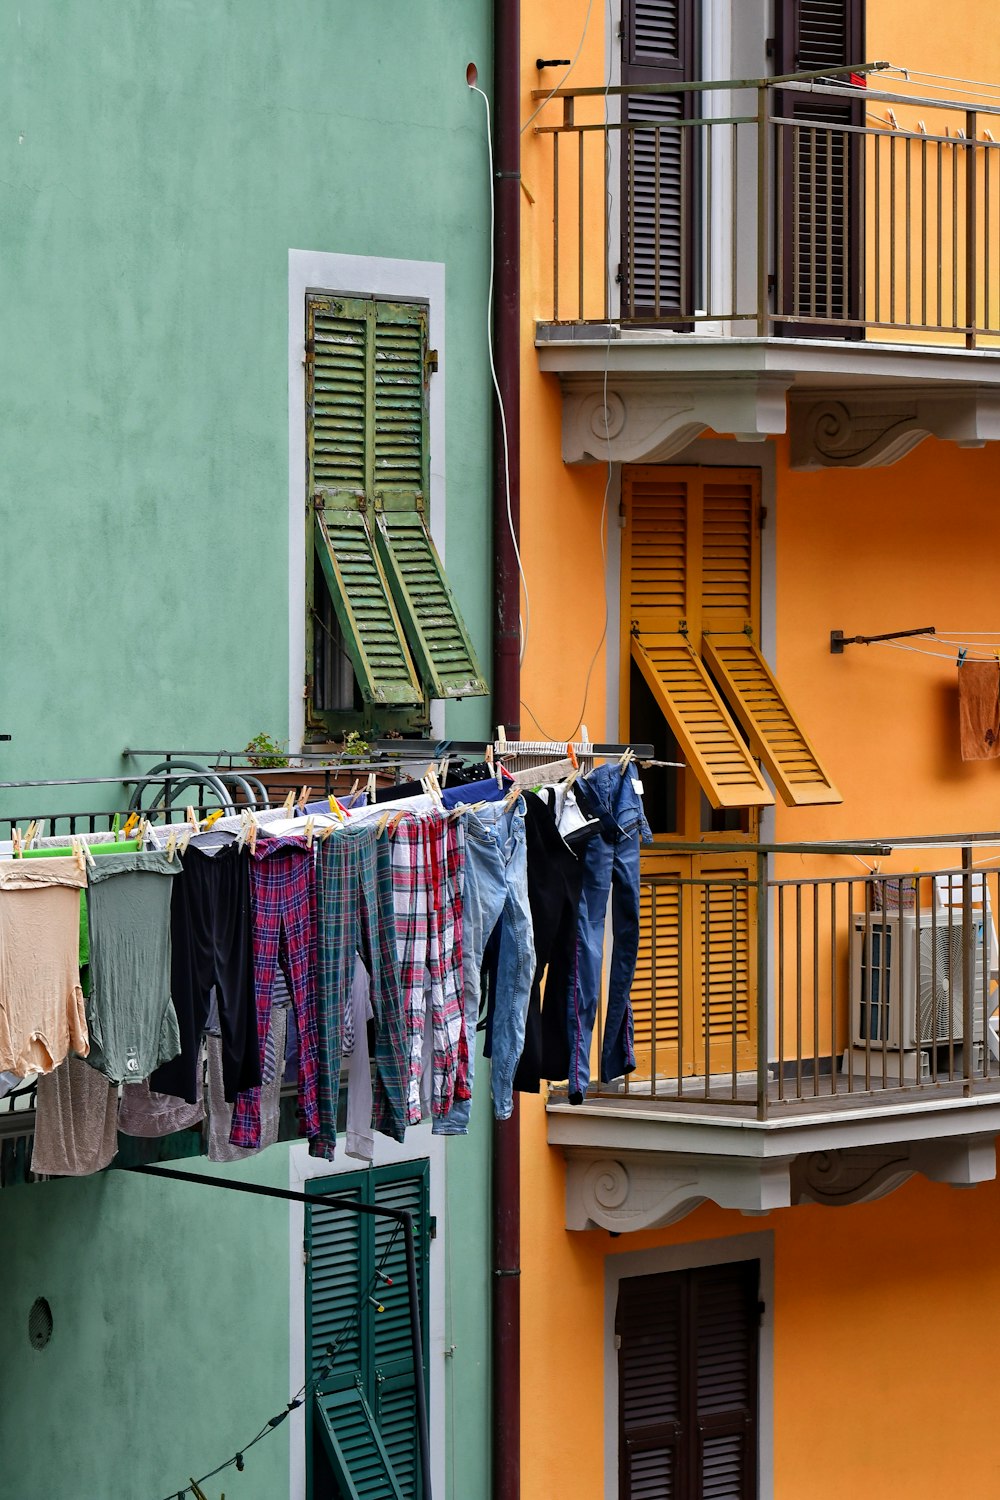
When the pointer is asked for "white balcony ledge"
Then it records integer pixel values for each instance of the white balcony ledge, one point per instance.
(637, 1164)
(643, 395)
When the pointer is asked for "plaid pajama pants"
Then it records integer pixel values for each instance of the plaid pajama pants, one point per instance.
(427, 869)
(354, 905)
(283, 897)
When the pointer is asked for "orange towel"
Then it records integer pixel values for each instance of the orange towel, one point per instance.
(979, 709)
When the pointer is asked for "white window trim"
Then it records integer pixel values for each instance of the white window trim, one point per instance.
(420, 1145)
(759, 1247)
(351, 276)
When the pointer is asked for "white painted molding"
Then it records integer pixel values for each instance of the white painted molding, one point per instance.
(623, 1193)
(871, 429)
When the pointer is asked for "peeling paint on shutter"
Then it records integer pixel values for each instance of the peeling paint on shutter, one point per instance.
(423, 596)
(354, 1447)
(761, 707)
(707, 735)
(360, 593)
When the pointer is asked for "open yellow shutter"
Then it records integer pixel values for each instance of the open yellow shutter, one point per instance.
(707, 735)
(761, 707)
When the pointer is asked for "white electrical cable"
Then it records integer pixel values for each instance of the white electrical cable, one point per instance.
(526, 622)
(576, 58)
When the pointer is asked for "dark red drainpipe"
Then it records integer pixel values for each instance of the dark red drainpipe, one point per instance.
(506, 702)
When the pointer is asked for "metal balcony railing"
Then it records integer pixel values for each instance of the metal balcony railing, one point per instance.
(760, 988)
(805, 205)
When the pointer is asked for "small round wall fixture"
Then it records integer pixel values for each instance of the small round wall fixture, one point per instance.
(39, 1323)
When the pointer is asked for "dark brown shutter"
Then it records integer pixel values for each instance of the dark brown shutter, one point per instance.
(687, 1371)
(659, 164)
(821, 171)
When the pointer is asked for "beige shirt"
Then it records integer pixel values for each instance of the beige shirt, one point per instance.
(41, 1004)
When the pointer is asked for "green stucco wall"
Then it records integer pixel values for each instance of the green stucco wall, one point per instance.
(158, 159)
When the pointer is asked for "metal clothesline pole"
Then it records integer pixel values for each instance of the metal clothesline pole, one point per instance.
(324, 1199)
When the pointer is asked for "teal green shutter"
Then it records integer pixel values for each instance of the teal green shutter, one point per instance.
(354, 1448)
(364, 1410)
(341, 399)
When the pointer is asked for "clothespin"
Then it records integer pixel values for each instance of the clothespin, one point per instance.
(963, 653)
(15, 838)
(372, 787)
(354, 789)
(190, 816)
(185, 839)
(130, 822)
(626, 759)
(310, 825)
(288, 806)
(92, 862)
(171, 845)
(304, 796)
(383, 820)
(244, 832)
(253, 834)
(77, 846)
(213, 818)
(571, 755)
(29, 837)
(336, 809)
(442, 770)
(512, 797)
(116, 824)
(395, 822)
(501, 741)
(892, 119)
(141, 832)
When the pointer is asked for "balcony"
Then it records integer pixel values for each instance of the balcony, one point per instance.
(799, 1037)
(803, 253)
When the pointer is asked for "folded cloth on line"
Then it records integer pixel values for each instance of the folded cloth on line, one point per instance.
(979, 709)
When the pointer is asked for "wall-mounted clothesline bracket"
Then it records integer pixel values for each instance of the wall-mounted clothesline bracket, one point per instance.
(838, 640)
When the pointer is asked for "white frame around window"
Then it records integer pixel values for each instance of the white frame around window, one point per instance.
(420, 1145)
(351, 276)
(759, 1247)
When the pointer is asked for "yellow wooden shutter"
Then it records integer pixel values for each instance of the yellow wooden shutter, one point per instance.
(724, 1013)
(656, 985)
(762, 709)
(730, 553)
(707, 736)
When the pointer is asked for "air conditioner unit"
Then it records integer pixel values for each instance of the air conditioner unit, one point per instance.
(906, 979)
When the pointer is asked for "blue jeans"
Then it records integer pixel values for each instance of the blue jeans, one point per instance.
(496, 889)
(610, 867)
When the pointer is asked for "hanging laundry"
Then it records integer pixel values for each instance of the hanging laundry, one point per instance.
(360, 1138)
(211, 945)
(354, 905)
(610, 869)
(283, 896)
(143, 1112)
(41, 1004)
(76, 1122)
(496, 887)
(555, 886)
(132, 1022)
(979, 709)
(221, 1127)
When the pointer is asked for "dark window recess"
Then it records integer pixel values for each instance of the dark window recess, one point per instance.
(687, 1384)
(820, 165)
(659, 165)
(647, 726)
(335, 687)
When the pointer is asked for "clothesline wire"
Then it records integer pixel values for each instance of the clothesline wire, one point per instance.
(309, 1387)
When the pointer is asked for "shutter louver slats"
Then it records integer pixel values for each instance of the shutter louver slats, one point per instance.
(822, 34)
(424, 598)
(656, 983)
(335, 1259)
(658, 532)
(724, 957)
(656, 32)
(400, 401)
(338, 398)
(728, 563)
(687, 1382)
(358, 588)
(356, 1452)
(775, 735)
(708, 737)
(653, 273)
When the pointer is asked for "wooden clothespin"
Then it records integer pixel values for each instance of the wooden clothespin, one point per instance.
(141, 833)
(395, 822)
(354, 789)
(29, 836)
(15, 838)
(626, 760)
(310, 825)
(512, 798)
(372, 786)
(253, 834)
(190, 816)
(383, 820)
(304, 796)
(288, 806)
(171, 845)
(442, 770)
(76, 845)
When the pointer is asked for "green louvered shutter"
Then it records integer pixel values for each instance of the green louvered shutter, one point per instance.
(354, 1449)
(363, 1414)
(340, 395)
(434, 628)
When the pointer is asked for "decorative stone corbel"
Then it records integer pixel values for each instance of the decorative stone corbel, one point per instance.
(630, 419)
(871, 429)
(861, 1174)
(628, 1192)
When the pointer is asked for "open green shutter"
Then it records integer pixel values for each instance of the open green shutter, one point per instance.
(434, 627)
(354, 1448)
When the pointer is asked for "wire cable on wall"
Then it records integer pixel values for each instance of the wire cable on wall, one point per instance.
(310, 1387)
(576, 58)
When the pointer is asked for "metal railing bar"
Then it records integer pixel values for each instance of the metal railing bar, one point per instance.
(704, 86)
(632, 127)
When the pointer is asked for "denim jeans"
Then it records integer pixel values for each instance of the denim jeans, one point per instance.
(610, 867)
(496, 888)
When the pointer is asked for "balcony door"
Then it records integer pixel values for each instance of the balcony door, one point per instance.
(658, 164)
(820, 173)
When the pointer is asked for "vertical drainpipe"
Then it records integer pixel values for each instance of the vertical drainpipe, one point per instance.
(506, 705)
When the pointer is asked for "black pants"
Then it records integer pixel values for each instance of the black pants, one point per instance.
(211, 934)
(555, 878)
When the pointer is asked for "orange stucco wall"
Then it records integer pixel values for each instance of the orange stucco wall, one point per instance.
(887, 1316)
